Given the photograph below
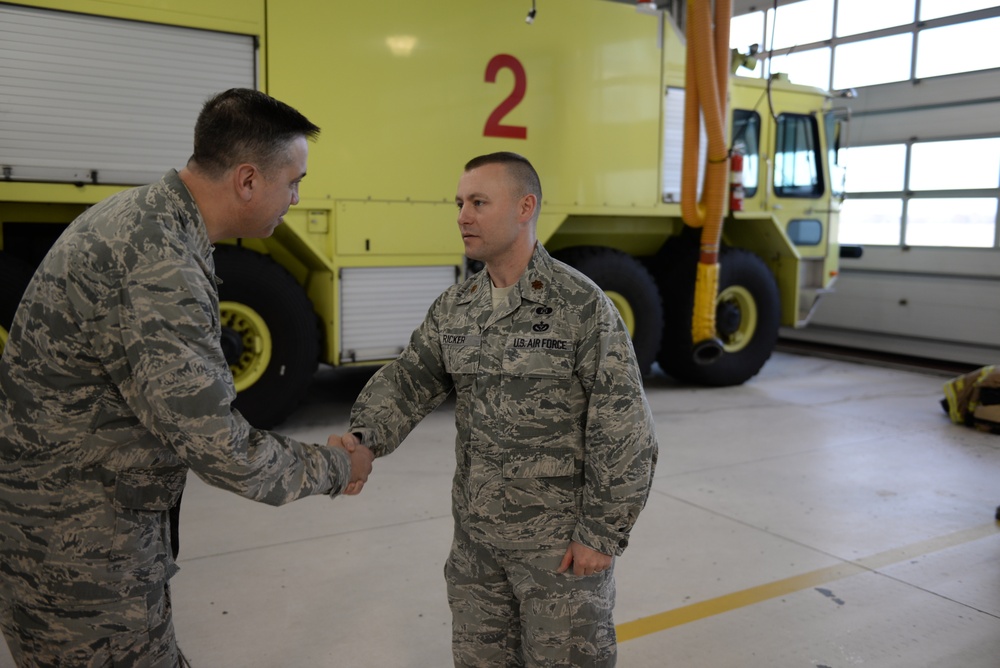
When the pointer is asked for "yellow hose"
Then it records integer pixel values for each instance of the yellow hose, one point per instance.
(707, 82)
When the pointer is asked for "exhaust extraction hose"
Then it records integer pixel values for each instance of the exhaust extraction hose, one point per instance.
(706, 84)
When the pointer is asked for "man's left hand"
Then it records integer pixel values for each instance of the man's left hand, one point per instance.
(584, 560)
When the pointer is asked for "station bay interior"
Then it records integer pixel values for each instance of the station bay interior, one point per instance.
(825, 513)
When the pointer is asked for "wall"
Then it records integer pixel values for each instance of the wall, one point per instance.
(940, 303)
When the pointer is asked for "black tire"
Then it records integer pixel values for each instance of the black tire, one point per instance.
(15, 275)
(748, 314)
(633, 291)
(271, 377)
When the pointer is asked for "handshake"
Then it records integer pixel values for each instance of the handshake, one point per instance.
(361, 461)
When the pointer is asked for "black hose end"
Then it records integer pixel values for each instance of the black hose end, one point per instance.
(707, 351)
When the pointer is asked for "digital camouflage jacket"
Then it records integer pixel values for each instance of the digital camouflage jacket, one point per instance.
(555, 438)
(113, 383)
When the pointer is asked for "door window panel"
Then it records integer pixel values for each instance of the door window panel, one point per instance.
(953, 221)
(876, 222)
(964, 47)
(746, 30)
(873, 61)
(796, 160)
(875, 168)
(809, 68)
(801, 22)
(858, 16)
(955, 165)
(935, 9)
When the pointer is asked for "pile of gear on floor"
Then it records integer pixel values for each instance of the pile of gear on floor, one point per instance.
(973, 399)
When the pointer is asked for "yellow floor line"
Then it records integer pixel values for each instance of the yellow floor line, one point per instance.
(740, 599)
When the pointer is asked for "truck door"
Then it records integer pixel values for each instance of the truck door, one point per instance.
(799, 183)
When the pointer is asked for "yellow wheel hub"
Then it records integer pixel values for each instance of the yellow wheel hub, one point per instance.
(738, 298)
(252, 338)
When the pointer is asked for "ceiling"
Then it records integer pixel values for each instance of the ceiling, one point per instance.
(747, 6)
(739, 6)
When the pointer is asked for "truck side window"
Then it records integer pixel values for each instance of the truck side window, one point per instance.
(746, 135)
(835, 129)
(797, 170)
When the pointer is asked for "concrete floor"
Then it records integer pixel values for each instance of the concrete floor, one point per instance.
(825, 514)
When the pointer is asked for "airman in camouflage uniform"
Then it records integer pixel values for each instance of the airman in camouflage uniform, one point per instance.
(113, 384)
(555, 447)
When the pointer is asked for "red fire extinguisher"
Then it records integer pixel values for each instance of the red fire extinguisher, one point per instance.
(736, 178)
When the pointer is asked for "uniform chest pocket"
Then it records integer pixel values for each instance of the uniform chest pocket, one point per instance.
(461, 359)
(553, 364)
(539, 392)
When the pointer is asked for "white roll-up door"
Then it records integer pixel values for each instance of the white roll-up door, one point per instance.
(381, 306)
(673, 146)
(99, 100)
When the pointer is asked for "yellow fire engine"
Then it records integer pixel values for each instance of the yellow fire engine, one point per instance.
(98, 95)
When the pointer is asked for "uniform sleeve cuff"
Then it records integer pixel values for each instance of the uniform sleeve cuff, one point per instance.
(368, 439)
(340, 470)
(598, 538)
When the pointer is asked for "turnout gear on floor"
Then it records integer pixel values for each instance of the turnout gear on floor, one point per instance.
(973, 399)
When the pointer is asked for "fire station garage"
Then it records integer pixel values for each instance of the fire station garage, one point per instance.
(804, 248)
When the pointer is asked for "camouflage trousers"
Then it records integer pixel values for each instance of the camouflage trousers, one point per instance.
(135, 632)
(511, 609)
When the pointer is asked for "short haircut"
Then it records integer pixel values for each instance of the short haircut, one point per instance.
(242, 125)
(524, 175)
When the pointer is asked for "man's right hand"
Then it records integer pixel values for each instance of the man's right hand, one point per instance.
(361, 461)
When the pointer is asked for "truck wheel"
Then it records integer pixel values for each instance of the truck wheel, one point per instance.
(631, 289)
(270, 334)
(747, 316)
(15, 275)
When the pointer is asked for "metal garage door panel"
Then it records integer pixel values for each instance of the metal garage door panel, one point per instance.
(381, 306)
(92, 99)
(673, 146)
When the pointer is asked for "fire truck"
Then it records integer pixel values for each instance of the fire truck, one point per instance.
(96, 96)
